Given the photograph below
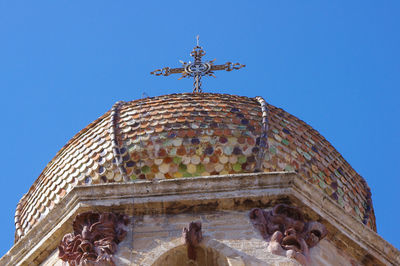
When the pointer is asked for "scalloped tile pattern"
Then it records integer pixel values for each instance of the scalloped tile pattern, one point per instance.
(187, 135)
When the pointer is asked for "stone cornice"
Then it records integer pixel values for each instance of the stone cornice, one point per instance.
(228, 192)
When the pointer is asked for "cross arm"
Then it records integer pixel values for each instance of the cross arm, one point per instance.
(166, 71)
(228, 66)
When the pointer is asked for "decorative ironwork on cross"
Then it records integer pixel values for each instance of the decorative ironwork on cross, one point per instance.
(198, 68)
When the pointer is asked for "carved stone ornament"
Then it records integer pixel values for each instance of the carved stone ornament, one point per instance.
(94, 240)
(287, 232)
(192, 237)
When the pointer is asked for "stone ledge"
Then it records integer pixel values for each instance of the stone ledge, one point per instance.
(241, 191)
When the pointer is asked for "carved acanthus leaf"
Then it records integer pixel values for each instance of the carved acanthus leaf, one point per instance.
(94, 240)
(287, 231)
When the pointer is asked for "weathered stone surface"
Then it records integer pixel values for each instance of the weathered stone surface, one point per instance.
(161, 209)
(237, 242)
(229, 233)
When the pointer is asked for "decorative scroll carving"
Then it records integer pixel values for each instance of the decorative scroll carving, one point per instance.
(192, 238)
(94, 240)
(287, 231)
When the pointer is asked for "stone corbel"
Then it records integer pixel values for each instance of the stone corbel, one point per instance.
(192, 237)
(287, 231)
(94, 240)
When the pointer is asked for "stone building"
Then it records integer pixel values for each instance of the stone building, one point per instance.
(198, 179)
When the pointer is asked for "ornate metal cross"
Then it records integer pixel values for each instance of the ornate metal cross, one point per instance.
(198, 68)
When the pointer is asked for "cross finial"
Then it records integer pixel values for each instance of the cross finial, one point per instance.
(198, 68)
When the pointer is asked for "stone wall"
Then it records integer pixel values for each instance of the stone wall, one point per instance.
(227, 234)
(160, 209)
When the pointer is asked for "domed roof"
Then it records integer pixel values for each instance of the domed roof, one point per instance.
(187, 135)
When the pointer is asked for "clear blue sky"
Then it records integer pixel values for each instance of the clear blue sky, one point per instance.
(333, 64)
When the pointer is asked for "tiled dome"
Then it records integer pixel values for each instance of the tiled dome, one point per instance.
(187, 135)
